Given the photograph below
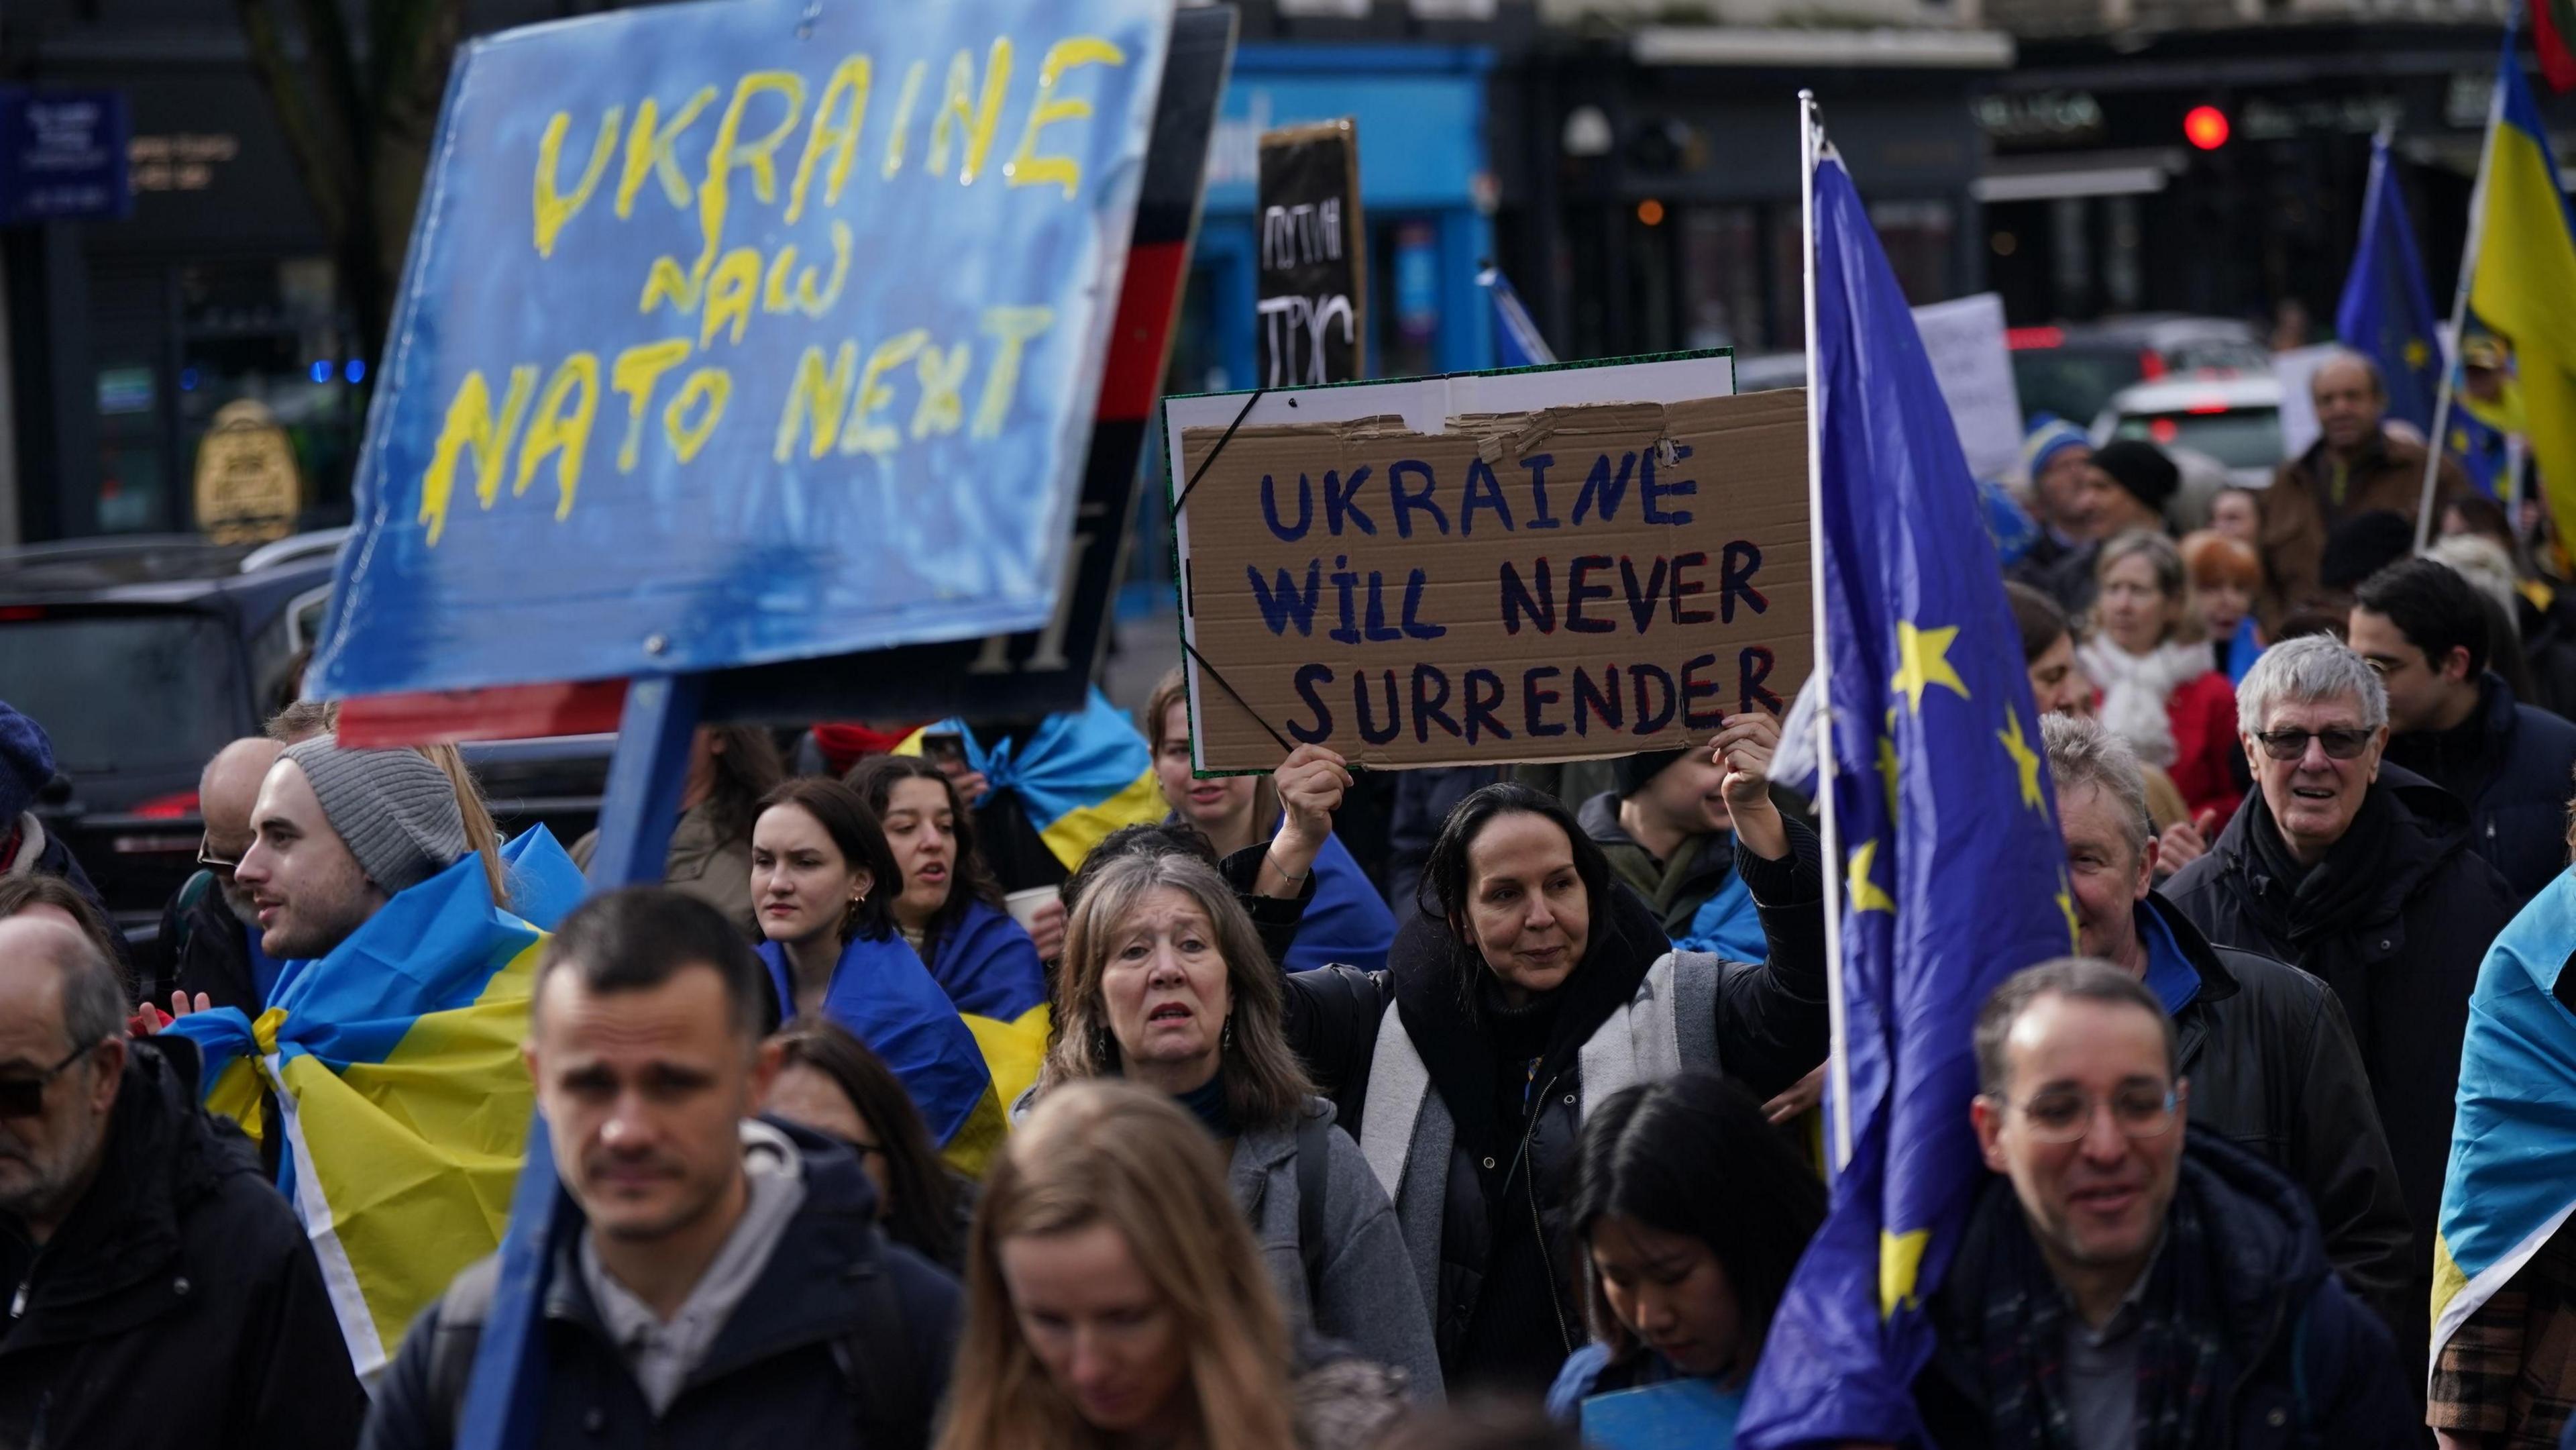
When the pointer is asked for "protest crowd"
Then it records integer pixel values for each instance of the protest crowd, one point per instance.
(1043, 1082)
(1207, 1124)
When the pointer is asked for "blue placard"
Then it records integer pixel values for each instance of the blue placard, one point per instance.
(62, 156)
(745, 331)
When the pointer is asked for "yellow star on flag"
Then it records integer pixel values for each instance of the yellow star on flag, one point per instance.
(1887, 768)
(2025, 760)
(2074, 928)
(1923, 660)
(1865, 895)
(2416, 353)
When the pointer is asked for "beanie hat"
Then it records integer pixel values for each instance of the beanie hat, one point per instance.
(396, 811)
(26, 765)
(2142, 468)
(2363, 545)
(1634, 771)
(2049, 439)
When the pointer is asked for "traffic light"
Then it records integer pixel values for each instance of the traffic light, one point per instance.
(2205, 127)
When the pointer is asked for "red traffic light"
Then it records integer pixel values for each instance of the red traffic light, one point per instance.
(2205, 127)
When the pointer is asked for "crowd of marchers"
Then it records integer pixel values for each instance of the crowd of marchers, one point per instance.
(1444, 1111)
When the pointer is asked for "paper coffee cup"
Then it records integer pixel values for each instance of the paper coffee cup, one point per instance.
(1023, 905)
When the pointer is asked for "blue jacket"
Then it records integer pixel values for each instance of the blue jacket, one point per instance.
(988, 965)
(2306, 1364)
(883, 994)
(1346, 921)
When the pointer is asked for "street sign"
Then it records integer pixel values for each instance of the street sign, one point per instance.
(745, 332)
(62, 156)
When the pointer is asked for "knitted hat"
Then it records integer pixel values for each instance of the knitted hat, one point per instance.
(2142, 468)
(1634, 771)
(26, 764)
(2050, 438)
(397, 811)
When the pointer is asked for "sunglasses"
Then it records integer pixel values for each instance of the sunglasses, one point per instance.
(24, 1097)
(2293, 744)
(206, 856)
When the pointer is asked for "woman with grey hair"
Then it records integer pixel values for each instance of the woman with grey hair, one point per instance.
(2361, 874)
(1165, 982)
(2161, 687)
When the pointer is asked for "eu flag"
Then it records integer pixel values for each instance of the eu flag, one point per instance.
(1953, 871)
(2386, 313)
(1517, 343)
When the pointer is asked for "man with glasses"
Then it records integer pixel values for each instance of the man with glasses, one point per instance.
(2362, 874)
(209, 943)
(2123, 1283)
(158, 1292)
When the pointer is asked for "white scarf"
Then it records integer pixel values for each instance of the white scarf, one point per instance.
(2135, 688)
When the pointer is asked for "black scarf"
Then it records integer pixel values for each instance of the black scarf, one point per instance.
(2021, 1328)
(2454, 759)
(2312, 901)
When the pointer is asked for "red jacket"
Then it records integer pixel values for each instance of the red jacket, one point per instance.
(2203, 715)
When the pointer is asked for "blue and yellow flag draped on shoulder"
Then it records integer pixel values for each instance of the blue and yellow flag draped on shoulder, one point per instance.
(1079, 775)
(1952, 868)
(2512, 1178)
(2524, 286)
(887, 999)
(394, 1062)
(2386, 313)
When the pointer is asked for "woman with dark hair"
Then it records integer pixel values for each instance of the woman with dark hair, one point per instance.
(823, 877)
(828, 1081)
(948, 905)
(1539, 989)
(1691, 1210)
(1166, 984)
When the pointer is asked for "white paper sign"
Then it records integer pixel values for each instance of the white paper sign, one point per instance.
(2297, 370)
(1965, 341)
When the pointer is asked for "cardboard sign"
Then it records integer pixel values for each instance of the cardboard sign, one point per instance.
(1965, 341)
(1313, 277)
(746, 331)
(1557, 579)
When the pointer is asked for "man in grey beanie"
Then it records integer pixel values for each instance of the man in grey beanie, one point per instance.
(336, 834)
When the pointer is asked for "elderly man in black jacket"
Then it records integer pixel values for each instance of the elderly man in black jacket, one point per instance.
(160, 1293)
(2270, 1059)
(2361, 874)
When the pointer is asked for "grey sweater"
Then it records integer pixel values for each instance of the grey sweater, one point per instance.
(1364, 1258)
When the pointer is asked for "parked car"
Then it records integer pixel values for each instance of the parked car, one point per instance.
(142, 656)
(2235, 420)
(2072, 371)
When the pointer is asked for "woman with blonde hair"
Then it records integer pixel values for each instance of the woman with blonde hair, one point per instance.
(1166, 984)
(1113, 1293)
(2161, 689)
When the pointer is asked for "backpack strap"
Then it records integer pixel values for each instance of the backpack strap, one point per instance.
(879, 1361)
(1314, 1171)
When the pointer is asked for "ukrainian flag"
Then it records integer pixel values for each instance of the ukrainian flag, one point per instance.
(1079, 776)
(2525, 284)
(2512, 1178)
(394, 1062)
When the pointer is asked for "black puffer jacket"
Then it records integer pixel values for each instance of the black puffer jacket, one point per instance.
(1492, 1252)
(2515, 767)
(180, 1304)
(2395, 920)
(2273, 1069)
(2302, 1364)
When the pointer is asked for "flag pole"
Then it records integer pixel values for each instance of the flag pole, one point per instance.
(1837, 1060)
(2435, 446)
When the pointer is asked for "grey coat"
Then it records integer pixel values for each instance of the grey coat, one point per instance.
(1364, 1256)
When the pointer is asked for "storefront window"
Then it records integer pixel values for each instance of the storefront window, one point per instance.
(1408, 329)
(1917, 237)
(272, 332)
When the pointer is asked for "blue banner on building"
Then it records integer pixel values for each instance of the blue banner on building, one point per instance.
(62, 156)
(742, 332)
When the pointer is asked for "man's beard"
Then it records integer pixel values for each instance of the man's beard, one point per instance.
(239, 903)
